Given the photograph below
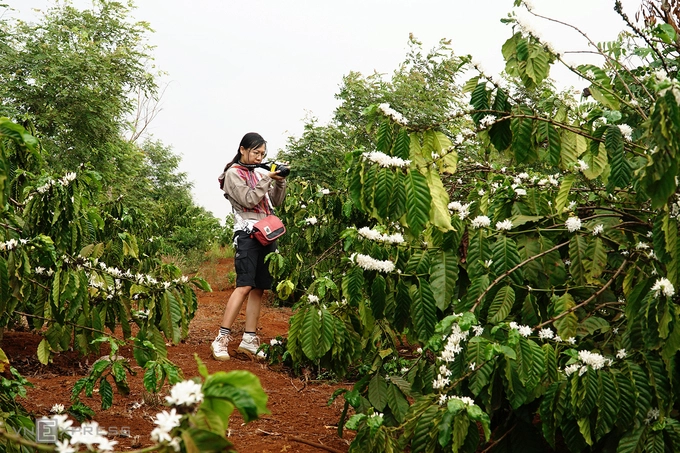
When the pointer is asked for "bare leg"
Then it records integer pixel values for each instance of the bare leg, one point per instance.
(253, 309)
(234, 304)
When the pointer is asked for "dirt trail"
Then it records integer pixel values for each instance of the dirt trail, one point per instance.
(298, 408)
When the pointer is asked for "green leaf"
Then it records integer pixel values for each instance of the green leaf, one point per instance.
(578, 256)
(398, 196)
(378, 297)
(471, 84)
(397, 402)
(525, 358)
(516, 389)
(106, 393)
(573, 146)
(44, 352)
(538, 63)
(596, 160)
(200, 440)
(311, 329)
(522, 129)
(659, 175)
(563, 193)
(625, 388)
(424, 309)
(402, 144)
(423, 440)
(477, 287)
(478, 253)
(384, 139)
(377, 392)
(501, 305)
(153, 377)
(242, 388)
(443, 277)
(383, 192)
(607, 405)
(479, 99)
(505, 257)
(418, 263)
(439, 212)
(352, 285)
(566, 326)
(418, 201)
(553, 142)
(598, 258)
(600, 88)
(633, 441)
(621, 171)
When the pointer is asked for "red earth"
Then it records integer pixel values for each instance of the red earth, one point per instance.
(300, 419)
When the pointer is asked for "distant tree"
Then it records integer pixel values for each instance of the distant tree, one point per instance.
(69, 78)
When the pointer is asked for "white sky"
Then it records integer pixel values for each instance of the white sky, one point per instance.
(264, 65)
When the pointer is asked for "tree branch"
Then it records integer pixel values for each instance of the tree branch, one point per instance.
(588, 300)
(501, 277)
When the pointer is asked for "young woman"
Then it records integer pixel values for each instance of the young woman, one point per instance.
(252, 192)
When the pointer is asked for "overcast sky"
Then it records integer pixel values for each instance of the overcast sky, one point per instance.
(264, 65)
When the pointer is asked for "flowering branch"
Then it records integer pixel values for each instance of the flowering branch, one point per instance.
(588, 300)
(501, 277)
(558, 124)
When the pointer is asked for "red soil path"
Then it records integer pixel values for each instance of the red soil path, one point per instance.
(299, 410)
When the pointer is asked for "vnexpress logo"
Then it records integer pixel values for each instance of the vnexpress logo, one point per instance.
(46, 430)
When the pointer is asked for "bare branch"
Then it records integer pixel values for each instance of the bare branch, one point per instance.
(502, 276)
(588, 300)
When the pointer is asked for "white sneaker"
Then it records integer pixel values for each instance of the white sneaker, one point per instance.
(219, 347)
(250, 345)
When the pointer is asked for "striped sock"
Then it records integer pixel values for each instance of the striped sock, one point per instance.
(249, 334)
(224, 331)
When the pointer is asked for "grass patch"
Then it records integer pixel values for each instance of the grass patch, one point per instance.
(214, 272)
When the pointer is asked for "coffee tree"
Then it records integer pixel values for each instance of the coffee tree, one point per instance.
(512, 286)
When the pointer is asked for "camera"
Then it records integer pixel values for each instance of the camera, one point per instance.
(281, 169)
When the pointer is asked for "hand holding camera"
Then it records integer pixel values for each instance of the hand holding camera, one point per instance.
(279, 171)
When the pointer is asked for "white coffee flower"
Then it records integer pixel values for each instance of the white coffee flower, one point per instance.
(505, 225)
(166, 421)
(599, 228)
(481, 221)
(525, 331)
(626, 131)
(57, 409)
(396, 116)
(571, 369)
(663, 285)
(370, 264)
(573, 224)
(185, 393)
(621, 354)
(384, 160)
(546, 333)
(593, 359)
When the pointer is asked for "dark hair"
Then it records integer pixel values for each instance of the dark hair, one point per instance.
(251, 140)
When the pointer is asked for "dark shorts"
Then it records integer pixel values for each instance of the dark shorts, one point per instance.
(251, 270)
